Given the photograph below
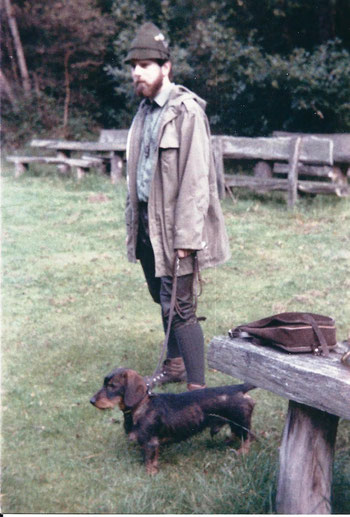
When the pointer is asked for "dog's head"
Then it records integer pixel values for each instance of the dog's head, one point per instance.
(122, 387)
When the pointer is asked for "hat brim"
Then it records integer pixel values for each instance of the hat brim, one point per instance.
(146, 53)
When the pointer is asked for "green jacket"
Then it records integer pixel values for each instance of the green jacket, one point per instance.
(183, 208)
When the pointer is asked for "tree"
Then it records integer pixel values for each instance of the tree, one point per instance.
(71, 41)
(260, 65)
(18, 46)
(65, 42)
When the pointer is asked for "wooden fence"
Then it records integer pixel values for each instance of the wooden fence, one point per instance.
(295, 163)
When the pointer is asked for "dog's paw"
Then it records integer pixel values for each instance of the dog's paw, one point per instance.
(152, 470)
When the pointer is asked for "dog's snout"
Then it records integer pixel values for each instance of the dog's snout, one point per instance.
(93, 400)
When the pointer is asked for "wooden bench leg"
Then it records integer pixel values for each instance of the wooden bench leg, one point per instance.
(81, 171)
(116, 168)
(63, 168)
(20, 168)
(306, 461)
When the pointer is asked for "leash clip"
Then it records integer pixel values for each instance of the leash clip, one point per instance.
(149, 387)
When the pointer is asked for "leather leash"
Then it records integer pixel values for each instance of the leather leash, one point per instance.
(176, 267)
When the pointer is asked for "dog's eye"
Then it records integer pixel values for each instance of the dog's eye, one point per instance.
(111, 385)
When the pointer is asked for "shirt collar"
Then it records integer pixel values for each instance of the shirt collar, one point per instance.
(163, 95)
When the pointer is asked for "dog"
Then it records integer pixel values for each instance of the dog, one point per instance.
(153, 419)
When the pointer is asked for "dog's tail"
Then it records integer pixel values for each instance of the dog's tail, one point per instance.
(247, 386)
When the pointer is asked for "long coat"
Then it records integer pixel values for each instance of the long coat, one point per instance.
(184, 210)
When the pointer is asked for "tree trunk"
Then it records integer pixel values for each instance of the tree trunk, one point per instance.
(67, 98)
(6, 88)
(18, 46)
(326, 15)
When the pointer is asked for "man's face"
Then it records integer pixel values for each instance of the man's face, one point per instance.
(147, 77)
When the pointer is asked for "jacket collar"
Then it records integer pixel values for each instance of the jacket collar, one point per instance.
(163, 95)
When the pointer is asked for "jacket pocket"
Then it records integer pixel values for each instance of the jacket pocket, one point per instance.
(170, 138)
(168, 153)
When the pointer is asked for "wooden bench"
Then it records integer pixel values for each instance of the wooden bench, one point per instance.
(318, 390)
(294, 158)
(297, 153)
(21, 163)
(337, 173)
(108, 151)
(115, 158)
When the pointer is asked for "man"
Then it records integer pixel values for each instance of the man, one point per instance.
(172, 206)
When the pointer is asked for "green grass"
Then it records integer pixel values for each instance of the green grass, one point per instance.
(73, 308)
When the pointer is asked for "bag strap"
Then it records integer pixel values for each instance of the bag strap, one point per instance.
(321, 339)
(346, 358)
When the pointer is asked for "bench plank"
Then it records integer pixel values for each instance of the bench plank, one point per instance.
(74, 162)
(320, 382)
(82, 165)
(313, 150)
(310, 187)
(33, 159)
(37, 142)
(113, 135)
(320, 171)
(341, 142)
(70, 145)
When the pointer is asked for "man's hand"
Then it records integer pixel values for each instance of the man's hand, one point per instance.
(184, 253)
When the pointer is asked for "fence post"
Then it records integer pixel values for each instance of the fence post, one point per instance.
(293, 171)
(219, 165)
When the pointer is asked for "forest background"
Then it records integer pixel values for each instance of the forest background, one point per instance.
(261, 66)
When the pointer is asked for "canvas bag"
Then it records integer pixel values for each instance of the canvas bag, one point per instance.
(291, 331)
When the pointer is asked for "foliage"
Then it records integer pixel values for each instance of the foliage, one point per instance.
(64, 43)
(36, 115)
(242, 82)
(260, 66)
(312, 82)
(73, 308)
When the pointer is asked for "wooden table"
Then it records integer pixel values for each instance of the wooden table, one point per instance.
(114, 150)
(318, 389)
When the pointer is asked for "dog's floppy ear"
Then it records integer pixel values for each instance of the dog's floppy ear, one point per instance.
(135, 388)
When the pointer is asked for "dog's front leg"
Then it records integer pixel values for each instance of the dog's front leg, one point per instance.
(245, 446)
(150, 453)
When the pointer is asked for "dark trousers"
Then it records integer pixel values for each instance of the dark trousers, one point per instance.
(186, 337)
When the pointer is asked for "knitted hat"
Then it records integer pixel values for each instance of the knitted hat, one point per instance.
(149, 43)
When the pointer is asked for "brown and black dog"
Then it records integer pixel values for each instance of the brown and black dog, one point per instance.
(153, 419)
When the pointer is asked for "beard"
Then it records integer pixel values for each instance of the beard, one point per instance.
(149, 90)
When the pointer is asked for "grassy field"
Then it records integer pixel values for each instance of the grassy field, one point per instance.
(73, 308)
